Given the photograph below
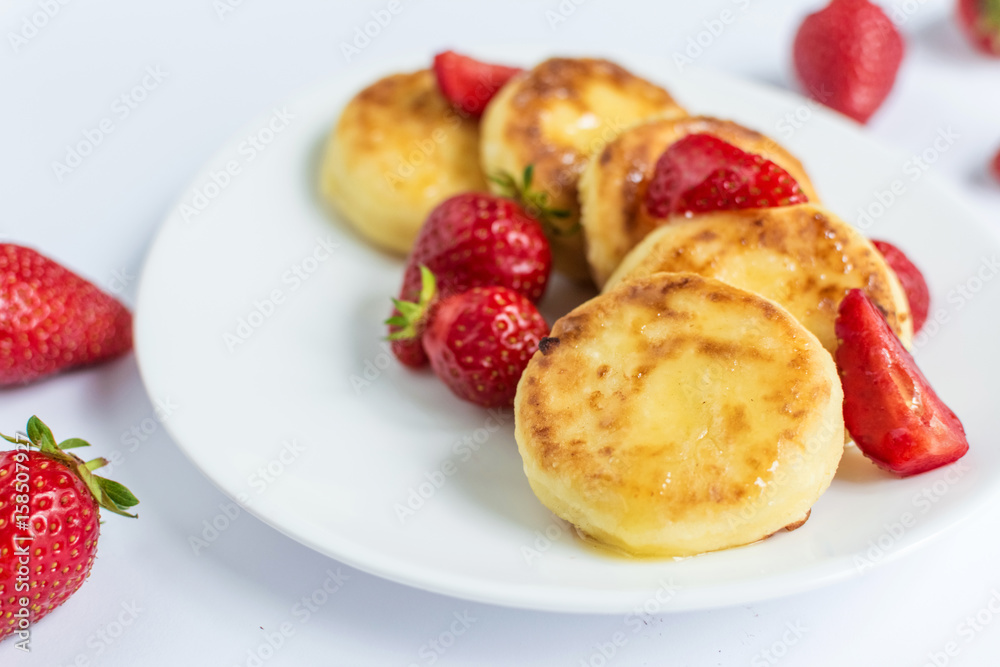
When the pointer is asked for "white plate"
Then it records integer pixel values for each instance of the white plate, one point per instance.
(369, 449)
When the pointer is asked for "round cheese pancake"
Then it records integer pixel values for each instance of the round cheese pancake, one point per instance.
(613, 185)
(677, 414)
(803, 257)
(555, 117)
(398, 150)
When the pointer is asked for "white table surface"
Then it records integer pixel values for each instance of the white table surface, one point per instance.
(151, 600)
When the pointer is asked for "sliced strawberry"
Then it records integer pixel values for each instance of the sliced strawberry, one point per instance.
(701, 172)
(474, 240)
(479, 343)
(467, 83)
(912, 280)
(890, 410)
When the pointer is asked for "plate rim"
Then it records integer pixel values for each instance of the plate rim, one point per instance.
(532, 596)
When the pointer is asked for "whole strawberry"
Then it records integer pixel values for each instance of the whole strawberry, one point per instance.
(52, 319)
(981, 21)
(474, 240)
(479, 343)
(49, 524)
(701, 172)
(847, 56)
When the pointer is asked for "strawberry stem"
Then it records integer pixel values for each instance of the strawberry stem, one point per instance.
(410, 320)
(109, 494)
(535, 202)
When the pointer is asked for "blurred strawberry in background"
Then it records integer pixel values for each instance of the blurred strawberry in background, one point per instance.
(847, 56)
(981, 21)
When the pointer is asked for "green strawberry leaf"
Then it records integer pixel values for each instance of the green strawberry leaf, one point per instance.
(412, 315)
(109, 494)
(40, 434)
(73, 443)
(118, 493)
(94, 464)
(535, 202)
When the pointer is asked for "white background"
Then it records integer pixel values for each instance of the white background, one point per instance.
(224, 68)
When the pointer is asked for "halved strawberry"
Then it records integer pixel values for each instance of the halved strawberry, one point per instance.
(912, 280)
(701, 172)
(468, 83)
(890, 410)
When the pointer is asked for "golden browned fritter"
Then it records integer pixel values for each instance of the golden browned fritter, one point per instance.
(398, 150)
(613, 186)
(677, 414)
(803, 257)
(555, 117)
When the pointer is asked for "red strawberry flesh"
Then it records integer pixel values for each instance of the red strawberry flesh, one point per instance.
(49, 523)
(475, 240)
(980, 19)
(467, 83)
(700, 173)
(52, 319)
(847, 56)
(892, 413)
(912, 280)
(63, 526)
(479, 343)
